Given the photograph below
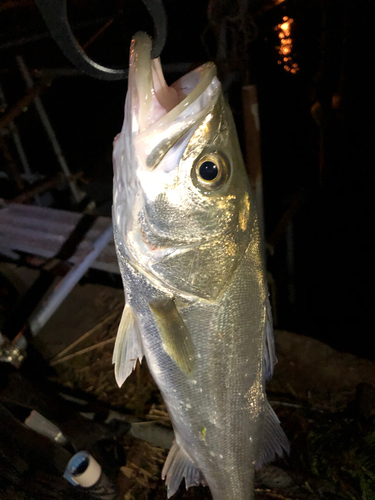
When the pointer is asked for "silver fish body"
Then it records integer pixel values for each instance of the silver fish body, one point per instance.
(189, 250)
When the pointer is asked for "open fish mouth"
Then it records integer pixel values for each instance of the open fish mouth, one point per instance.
(162, 114)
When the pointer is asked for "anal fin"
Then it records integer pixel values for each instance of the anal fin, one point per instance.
(179, 466)
(128, 347)
(274, 440)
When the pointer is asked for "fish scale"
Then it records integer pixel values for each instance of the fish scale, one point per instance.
(196, 296)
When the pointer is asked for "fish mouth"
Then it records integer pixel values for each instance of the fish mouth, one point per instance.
(162, 114)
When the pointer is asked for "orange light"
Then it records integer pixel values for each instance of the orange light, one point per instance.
(286, 45)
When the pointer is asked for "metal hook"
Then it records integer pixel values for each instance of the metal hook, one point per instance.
(55, 16)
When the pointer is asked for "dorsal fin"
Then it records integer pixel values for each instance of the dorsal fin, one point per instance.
(128, 346)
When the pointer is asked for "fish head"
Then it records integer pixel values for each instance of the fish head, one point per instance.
(183, 207)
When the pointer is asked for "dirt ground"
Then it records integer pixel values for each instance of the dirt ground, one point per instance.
(324, 399)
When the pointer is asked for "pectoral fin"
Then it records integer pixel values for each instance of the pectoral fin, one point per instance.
(128, 346)
(174, 334)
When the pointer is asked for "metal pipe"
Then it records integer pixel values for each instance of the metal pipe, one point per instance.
(48, 127)
(13, 129)
(17, 141)
(65, 286)
(18, 108)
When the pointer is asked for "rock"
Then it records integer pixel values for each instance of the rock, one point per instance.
(365, 400)
(310, 370)
(273, 478)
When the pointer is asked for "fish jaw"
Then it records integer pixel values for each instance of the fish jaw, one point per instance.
(153, 172)
(151, 97)
(142, 107)
(156, 117)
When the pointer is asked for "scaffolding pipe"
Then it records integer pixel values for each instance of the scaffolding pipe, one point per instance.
(19, 146)
(66, 285)
(48, 127)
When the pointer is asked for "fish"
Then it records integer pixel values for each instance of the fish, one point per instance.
(190, 253)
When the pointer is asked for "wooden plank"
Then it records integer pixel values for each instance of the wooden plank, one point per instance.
(42, 231)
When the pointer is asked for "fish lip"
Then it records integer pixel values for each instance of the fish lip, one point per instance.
(147, 80)
(208, 72)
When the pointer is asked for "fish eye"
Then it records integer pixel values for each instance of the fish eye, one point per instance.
(212, 171)
(208, 171)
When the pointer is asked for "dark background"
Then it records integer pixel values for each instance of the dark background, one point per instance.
(317, 131)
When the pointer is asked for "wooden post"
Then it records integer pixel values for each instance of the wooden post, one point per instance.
(252, 144)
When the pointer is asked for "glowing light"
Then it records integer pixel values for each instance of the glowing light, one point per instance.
(286, 47)
(285, 27)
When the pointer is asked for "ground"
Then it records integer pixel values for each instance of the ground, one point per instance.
(324, 399)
